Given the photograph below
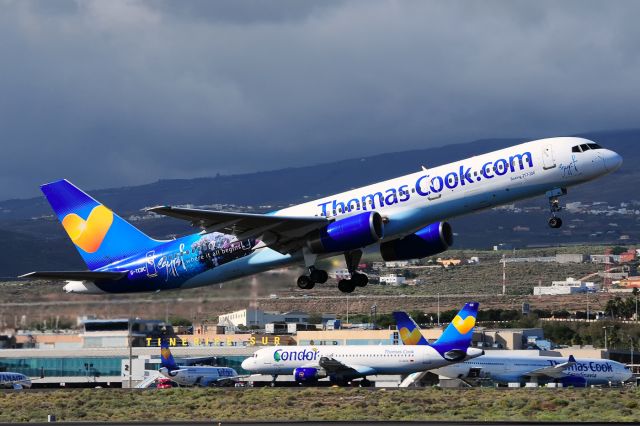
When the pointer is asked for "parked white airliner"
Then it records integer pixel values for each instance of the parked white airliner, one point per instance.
(194, 375)
(405, 216)
(342, 364)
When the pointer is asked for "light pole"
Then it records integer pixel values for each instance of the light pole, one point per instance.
(130, 356)
(605, 338)
(438, 308)
(588, 312)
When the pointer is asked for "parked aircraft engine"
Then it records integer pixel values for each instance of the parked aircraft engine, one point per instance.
(307, 374)
(347, 234)
(430, 240)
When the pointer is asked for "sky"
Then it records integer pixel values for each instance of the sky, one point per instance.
(114, 93)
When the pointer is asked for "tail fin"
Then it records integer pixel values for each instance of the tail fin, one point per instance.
(166, 359)
(101, 236)
(456, 338)
(408, 329)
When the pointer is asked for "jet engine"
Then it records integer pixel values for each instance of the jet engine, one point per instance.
(430, 240)
(347, 234)
(307, 374)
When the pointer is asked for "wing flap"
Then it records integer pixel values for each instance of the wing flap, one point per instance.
(76, 275)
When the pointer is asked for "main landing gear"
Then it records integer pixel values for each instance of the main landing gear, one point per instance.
(316, 276)
(554, 205)
(357, 279)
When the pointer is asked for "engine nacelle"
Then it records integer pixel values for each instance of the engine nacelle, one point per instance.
(308, 374)
(430, 240)
(347, 234)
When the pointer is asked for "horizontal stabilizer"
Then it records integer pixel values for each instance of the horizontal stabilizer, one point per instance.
(76, 275)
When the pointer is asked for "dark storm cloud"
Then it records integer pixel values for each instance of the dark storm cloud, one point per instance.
(112, 93)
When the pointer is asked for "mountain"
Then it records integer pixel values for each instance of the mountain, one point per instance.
(32, 239)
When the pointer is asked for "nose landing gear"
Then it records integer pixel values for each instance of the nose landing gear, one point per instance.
(555, 207)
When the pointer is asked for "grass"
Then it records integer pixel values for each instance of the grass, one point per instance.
(481, 404)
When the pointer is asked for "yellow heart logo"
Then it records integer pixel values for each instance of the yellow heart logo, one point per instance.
(463, 326)
(165, 353)
(410, 337)
(88, 234)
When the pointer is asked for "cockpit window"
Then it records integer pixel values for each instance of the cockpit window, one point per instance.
(584, 147)
(594, 146)
(576, 149)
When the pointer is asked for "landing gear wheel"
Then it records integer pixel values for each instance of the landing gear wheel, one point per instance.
(359, 280)
(305, 283)
(346, 286)
(319, 276)
(555, 222)
(364, 383)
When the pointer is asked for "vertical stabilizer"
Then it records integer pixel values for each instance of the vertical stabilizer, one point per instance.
(166, 358)
(100, 235)
(456, 338)
(408, 330)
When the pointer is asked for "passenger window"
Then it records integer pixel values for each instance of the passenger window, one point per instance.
(575, 149)
(584, 147)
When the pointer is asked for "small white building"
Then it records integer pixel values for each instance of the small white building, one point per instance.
(569, 286)
(397, 264)
(392, 279)
(255, 317)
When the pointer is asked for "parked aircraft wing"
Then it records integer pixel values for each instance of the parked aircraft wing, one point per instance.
(555, 371)
(337, 368)
(75, 275)
(280, 229)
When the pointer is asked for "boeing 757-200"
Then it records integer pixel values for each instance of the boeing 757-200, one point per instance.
(405, 217)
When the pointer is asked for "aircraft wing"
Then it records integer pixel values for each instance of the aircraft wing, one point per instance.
(76, 275)
(554, 371)
(283, 230)
(334, 367)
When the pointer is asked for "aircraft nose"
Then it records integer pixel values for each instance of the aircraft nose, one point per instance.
(247, 363)
(613, 161)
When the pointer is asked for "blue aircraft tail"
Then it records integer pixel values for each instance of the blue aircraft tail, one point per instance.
(456, 338)
(408, 330)
(166, 359)
(100, 236)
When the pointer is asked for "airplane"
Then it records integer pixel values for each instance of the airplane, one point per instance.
(504, 366)
(14, 381)
(342, 364)
(194, 376)
(405, 217)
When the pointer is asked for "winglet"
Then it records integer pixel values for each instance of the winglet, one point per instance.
(572, 359)
(408, 330)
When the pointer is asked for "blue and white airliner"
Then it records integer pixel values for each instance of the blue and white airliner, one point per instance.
(343, 364)
(194, 375)
(10, 380)
(404, 217)
(503, 366)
